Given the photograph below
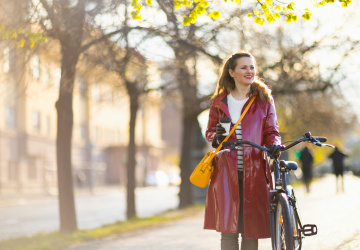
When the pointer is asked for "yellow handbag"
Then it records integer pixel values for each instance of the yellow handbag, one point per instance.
(202, 173)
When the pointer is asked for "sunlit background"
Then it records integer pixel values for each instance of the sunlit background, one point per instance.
(312, 67)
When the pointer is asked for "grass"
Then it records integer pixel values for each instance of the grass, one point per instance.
(58, 240)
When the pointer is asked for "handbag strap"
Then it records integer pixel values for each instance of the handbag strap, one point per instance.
(236, 124)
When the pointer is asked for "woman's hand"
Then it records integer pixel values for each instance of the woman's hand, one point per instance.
(274, 150)
(220, 130)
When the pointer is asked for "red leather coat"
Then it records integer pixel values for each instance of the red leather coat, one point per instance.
(259, 125)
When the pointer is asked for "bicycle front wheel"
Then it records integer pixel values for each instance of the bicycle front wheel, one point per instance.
(283, 224)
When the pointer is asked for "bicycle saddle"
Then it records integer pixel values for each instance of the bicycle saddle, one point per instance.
(289, 165)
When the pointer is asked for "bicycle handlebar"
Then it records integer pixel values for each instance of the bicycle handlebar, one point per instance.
(278, 183)
(238, 143)
(307, 138)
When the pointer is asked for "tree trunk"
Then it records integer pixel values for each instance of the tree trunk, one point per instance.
(190, 113)
(131, 164)
(186, 160)
(63, 140)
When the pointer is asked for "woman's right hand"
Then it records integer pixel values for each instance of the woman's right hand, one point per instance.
(220, 130)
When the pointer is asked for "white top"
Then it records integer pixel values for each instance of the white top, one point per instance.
(235, 108)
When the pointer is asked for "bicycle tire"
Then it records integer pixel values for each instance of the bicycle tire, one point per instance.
(284, 238)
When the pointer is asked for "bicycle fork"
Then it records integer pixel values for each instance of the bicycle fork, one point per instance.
(307, 229)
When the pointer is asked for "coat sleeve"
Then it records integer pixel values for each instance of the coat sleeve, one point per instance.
(271, 129)
(211, 127)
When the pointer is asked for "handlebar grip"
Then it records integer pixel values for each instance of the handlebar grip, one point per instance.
(228, 144)
(320, 139)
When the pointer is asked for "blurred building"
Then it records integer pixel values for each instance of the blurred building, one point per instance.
(29, 84)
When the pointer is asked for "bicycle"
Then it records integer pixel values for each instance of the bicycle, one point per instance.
(287, 231)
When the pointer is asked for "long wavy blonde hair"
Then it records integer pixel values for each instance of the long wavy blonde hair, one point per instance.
(226, 83)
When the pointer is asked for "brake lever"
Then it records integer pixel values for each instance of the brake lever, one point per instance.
(322, 145)
(317, 143)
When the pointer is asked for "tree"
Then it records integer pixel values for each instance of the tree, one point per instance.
(12, 32)
(131, 68)
(307, 94)
(119, 55)
(318, 99)
(66, 22)
(15, 26)
(189, 45)
(135, 84)
(278, 55)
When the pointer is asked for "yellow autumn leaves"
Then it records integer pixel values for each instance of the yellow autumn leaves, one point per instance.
(21, 36)
(268, 10)
(344, 3)
(200, 8)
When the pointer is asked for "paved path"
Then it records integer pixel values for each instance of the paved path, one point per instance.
(27, 215)
(336, 214)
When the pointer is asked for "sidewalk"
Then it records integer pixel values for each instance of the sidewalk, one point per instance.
(20, 199)
(336, 214)
(354, 243)
(24, 215)
(185, 234)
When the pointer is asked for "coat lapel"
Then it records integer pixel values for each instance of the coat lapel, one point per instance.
(221, 103)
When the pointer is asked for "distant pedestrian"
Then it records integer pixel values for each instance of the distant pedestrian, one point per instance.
(307, 160)
(338, 166)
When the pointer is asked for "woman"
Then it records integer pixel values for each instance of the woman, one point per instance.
(238, 196)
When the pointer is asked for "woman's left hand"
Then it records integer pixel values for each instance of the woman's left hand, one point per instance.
(275, 150)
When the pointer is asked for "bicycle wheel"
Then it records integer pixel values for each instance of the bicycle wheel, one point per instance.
(283, 224)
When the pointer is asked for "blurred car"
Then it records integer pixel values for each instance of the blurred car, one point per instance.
(157, 178)
(175, 179)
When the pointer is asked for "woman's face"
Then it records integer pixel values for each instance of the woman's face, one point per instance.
(244, 72)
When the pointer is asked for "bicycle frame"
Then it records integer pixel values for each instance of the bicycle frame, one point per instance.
(281, 186)
(281, 168)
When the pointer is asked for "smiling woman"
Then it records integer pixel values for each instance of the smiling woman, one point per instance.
(240, 182)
